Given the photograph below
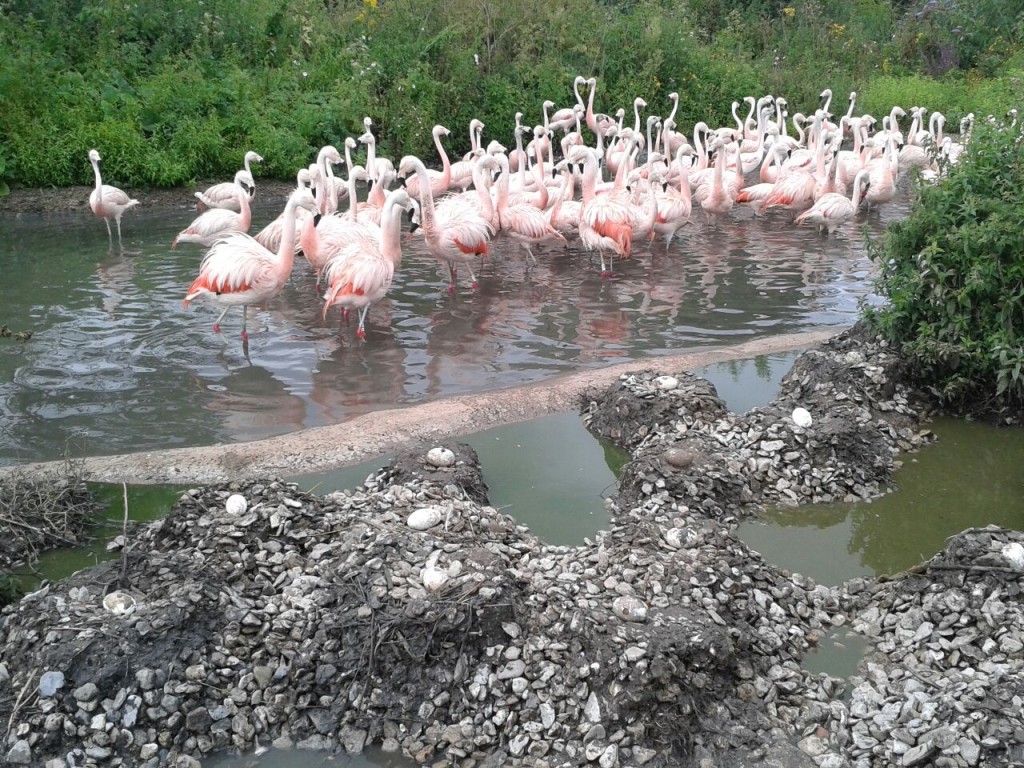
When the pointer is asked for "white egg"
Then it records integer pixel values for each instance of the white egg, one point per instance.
(236, 504)
(119, 603)
(424, 518)
(802, 417)
(440, 457)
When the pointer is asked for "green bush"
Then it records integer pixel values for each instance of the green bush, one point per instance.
(178, 90)
(953, 274)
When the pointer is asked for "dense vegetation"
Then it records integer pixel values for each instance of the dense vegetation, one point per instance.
(175, 90)
(953, 274)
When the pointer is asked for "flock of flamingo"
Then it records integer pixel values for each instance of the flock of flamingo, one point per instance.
(529, 194)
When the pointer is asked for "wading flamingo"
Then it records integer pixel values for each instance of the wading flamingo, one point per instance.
(360, 274)
(217, 222)
(454, 234)
(238, 270)
(108, 202)
(832, 210)
(224, 195)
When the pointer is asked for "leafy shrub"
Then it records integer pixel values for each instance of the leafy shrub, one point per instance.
(953, 272)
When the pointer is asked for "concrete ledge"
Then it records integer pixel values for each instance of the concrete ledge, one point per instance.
(373, 434)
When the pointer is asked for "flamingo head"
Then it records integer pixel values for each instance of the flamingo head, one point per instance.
(253, 157)
(94, 156)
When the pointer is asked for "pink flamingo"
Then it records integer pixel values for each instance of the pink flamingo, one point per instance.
(224, 195)
(321, 240)
(715, 197)
(270, 236)
(606, 223)
(454, 233)
(832, 210)
(214, 223)
(884, 174)
(360, 274)
(674, 203)
(523, 222)
(462, 170)
(238, 270)
(439, 181)
(108, 202)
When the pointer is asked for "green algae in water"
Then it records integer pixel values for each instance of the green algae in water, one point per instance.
(745, 384)
(970, 477)
(549, 474)
(145, 504)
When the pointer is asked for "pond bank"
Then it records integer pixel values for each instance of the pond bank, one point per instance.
(410, 613)
(380, 432)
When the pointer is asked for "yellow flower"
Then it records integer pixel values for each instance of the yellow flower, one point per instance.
(789, 12)
(836, 30)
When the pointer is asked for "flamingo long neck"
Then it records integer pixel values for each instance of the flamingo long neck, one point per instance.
(521, 169)
(591, 120)
(675, 106)
(501, 204)
(684, 177)
(736, 117)
(328, 203)
(353, 202)
(750, 115)
(893, 125)
(245, 163)
(446, 166)
(588, 184)
(853, 103)
(483, 192)
(858, 188)
(702, 155)
(391, 231)
(623, 169)
(371, 156)
(542, 188)
(286, 248)
(940, 121)
(576, 91)
(99, 179)
(828, 100)
(428, 221)
(244, 209)
(636, 117)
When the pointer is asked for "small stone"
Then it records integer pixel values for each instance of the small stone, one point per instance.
(441, 457)
(236, 504)
(50, 683)
(629, 608)
(20, 753)
(1014, 555)
(198, 720)
(666, 383)
(86, 692)
(917, 754)
(678, 458)
(592, 709)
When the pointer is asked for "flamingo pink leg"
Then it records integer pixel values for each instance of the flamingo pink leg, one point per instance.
(216, 325)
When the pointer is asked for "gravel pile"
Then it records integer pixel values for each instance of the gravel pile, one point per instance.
(410, 613)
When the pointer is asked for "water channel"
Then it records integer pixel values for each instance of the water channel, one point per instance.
(115, 365)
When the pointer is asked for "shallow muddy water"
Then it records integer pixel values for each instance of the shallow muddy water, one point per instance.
(969, 478)
(116, 365)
